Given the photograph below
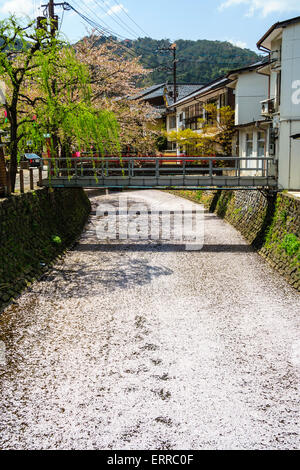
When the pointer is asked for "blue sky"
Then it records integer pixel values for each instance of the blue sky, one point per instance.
(240, 21)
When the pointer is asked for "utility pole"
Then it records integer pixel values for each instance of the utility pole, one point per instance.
(53, 29)
(53, 18)
(173, 48)
(51, 15)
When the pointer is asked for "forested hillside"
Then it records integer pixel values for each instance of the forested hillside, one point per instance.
(198, 61)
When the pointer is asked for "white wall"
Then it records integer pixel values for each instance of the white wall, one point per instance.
(290, 75)
(289, 149)
(289, 156)
(251, 89)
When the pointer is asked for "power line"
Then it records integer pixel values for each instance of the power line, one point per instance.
(126, 13)
(101, 30)
(115, 13)
(62, 20)
(105, 31)
(112, 15)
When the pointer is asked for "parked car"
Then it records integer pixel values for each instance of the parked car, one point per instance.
(32, 158)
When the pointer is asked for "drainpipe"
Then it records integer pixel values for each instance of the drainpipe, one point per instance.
(264, 49)
(290, 155)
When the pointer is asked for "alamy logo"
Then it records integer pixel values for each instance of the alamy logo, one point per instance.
(296, 93)
(124, 219)
(2, 354)
(295, 353)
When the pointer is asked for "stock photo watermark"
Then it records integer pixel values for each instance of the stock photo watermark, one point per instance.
(296, 93)
(144, 220)
(295, 353)
(2, 354)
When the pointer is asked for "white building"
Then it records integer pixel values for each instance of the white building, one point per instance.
(190, 113)
(282, 106)
(252, 138)
(266, 100)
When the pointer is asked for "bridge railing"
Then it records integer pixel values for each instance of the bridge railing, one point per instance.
(132, 166)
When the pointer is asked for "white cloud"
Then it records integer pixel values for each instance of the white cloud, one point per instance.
(116, 9)
(237, 43)
(19, 7)
(265, 7)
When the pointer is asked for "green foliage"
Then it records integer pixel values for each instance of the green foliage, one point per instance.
(291, 245)
(56, 239)
(215, 137)
(222, 203)
(283, 215)
(198, 61)
(66, 110)
(48, 92)
(161, 143)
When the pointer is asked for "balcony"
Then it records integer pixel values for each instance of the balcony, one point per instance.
(267, 107)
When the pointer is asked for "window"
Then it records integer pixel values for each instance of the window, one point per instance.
(222, 100)
(172, 122)
(197, 109)
(180, 117)
(192, 111)
(261, 144)
(209, 116)
(171, 146)
(261, 151)
(249, 144)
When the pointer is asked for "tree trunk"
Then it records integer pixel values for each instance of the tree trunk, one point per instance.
(13, 156)
(3, 177)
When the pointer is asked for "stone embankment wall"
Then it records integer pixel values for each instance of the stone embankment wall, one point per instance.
(271, 226)
(35, 228)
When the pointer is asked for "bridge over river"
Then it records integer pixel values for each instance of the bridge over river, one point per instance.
(188, 172)
(140, 344)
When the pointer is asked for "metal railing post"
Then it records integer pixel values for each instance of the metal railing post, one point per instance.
(210, 167)
(31, 179)
(21, 181)
(8, 180)
(157, 170)
(41, 176)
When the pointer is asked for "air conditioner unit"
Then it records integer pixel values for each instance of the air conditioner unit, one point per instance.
(267, 107)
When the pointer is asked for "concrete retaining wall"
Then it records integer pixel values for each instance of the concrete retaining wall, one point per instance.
(34, 229)
(272, 226)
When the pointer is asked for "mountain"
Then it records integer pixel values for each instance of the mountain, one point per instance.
(198, 61)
